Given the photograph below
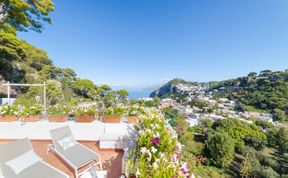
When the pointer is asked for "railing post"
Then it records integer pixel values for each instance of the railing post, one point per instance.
(44, 100)
(8, 93)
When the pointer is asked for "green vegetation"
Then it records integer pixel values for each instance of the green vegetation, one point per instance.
(232, 148)
(23, 63)
(155, 154)
(151, 103)
(267, 91)
(220, 149)
(23, 15)
(115, 111)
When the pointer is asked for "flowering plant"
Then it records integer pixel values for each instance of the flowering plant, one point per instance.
(85, 111)
(30, 110)
(155, 154)
(59, 110)
(135, 111)
(115, 111)
(7, 110)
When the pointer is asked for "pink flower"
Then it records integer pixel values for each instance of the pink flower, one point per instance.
(155, 141)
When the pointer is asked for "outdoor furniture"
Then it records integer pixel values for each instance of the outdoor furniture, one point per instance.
(18, 160)
(73, 153)
(93, 173)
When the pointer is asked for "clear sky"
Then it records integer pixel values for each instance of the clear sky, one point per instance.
(145, 42)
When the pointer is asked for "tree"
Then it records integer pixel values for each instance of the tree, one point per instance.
(110, 99)
(54, 92)
(245, 167)
(252, 74)
(265, 73)
(85, 88)
(24, 15)
(69, 73)
(255, 142)
(268, 172)
(283, 139)
(221, 149)
(279, 114)
(207, 123)
(272, 137)
(47, 72)
(106, 87)
(122, 95)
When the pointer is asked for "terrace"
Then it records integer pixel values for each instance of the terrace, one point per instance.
(88, 134)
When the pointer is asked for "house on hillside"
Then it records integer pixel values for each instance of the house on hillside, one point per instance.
(166, 103)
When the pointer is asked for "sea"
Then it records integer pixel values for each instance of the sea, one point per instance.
(138, 94)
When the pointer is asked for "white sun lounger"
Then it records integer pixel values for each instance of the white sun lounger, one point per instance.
(13, 150)
(76, 156)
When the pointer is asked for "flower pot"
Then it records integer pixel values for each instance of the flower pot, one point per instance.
(8, 118)
(132, 119)
(111, 119)
(31, 118)
(84, 119)
(57, 118)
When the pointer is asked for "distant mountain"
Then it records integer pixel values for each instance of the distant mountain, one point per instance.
(167, 88)
(171, 87)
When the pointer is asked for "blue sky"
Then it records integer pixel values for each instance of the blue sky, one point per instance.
(147, 42)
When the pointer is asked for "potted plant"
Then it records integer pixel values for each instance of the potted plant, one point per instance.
(85, 114)
(113, 114)
(32, 113)
(133, 112)
(58, 113)
(8, 114)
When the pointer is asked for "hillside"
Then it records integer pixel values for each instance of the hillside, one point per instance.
(172, 87)
(23, 63)
(264, 92)
(267, 91)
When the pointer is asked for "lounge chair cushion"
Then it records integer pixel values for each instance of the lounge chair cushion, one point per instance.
(23, 161)
(79, 155)
(37, 170)
(66, 142)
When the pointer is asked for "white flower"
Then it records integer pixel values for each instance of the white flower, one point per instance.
(143, 150)
(155, 165)
(149, 155)
(161, 154)
(153, 149)
(141, 132)
(137, 173)
(157, 135)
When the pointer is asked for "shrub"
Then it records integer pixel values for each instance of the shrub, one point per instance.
(263, 124)
(272, 137)
(270, 162)
(8, 110)
(207, 123)
(115, 111)
(85, 111)
(221, 149)
(238, 130)
(268, 172)
(156, 148)
(255, 142)
(59, 110)
(135, 111)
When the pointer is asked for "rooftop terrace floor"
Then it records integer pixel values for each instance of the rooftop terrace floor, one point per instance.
(111, 159)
